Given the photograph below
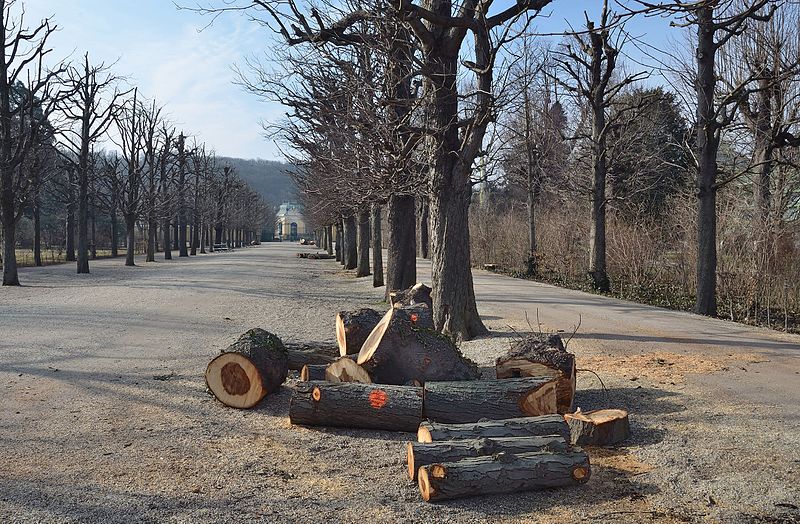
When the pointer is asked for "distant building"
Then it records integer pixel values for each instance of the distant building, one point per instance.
(289, 223)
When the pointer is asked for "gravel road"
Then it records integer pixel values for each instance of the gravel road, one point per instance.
(104, 415)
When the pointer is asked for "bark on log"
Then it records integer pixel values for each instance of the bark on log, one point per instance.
(422, 454)
(460, 402)
(502, 473)
(248, 370)
(313, 372)
(602, 427)
(415, 295)
(304, 353)
(346, 370)
(353, 328)
(404, 347)
(541, 356)
(515, 427)
(353, 405)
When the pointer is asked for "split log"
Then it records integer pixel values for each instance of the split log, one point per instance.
(248, 370)
(353, 328)
(421, 454)
(353, 405)
(542, 356)
(602, 427)
(415, 295)
(460, 402)
(502, 473)
(303, 353)
(404, 347)
(515, 427)
(313, 372)
(346, 370)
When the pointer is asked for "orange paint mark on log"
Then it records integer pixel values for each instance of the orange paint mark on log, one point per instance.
(414, 317)
(378, 398)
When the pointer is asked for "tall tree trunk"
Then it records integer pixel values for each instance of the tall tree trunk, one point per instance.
(424, 228)
(93, 237)
(114, 232)
(401, 249)
(37, 226)
(597, 228)
(363, 243)
(707, 146)
(130, 229)
(195, 229)
(329, 237)
(532, 263)
(338, 242)
(165, 231)
(70, 256)
(83, 217)
(151, 239)
(203, 237)
(350, 243)
(377, 247)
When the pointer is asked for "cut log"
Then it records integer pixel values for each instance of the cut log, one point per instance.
(460, 402)
(319, 256)
(353, 405)
(514, 427)
(602, 427)
(415, 295)
(346, 370)
(248, 370)
(313, 372)
(540, 356)
(303, 353)
(421, 454)
(353, 328)
(502, 473)
(404, 347)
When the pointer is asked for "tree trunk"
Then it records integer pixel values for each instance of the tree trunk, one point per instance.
(353, 328)
(329, 237)
(401, 252)
(152, 232)
(362, 269)
(114, 233)
(424, 228)
(175, 236)
(37, 228)
(10, 273)
(502, 473)
(248, 370)
(313, 372)
(420, 454)
(203, 238)
(515, 427)
(350, 248)
(597, 229)
(603, 427)
(301, 354)
(354, 405)
(165, 230)
(377, 247)
(339, 250)
(130, 228)
(70, 255)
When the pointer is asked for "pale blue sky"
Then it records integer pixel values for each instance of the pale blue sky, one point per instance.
(162, 52)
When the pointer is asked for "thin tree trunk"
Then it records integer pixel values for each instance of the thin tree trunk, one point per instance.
(151, 240)
(424, 228)
(329, 237)
(37, 227)
(350, 243)
(363, 244)
(597, 229)
(70, 256)
(165, 231)
(203, 237)
(401, 256)
(338, 242)
(114, 233)
(130, 228)
(377, 247)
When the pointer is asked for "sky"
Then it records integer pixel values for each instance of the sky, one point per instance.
(175, 57)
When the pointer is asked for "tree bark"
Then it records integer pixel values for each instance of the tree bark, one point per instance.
(350, 254)
(353, 328)
(362, 269)
(37, 226)
(424, 228)
(114, 232)
(130, 229)
(415, 295)
(514, 427)
(329, 238)
(502, 473)
(313, 372)
(603, 427)
(377, 247)
(354, 405)
(70, 255)
(420, 454)
(152, 232)
(339, 257)
(401, 252)
(300, 354)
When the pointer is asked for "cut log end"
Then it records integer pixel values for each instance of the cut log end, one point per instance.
(603, 427)
(346, 370)
(341, 336)
(425, 487)
(374, 338)
(580, 473)
(424, 435)
(234, 380)
(410, 460)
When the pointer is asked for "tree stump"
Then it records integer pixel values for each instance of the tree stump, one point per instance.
(421, 454)
(418, 294)
(346, 370)
(502, 473)
(313, 372)
(248, 370)
(314, 353)
(515, 427)
(460, 402)
(541, 356)
(404, 348)
(353, 328)
(353, 405)
(602, 427)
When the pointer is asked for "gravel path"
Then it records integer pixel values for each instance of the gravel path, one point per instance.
(104, 415)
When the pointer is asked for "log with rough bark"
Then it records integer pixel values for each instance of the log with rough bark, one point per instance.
(460, 402)
(313, 372)
(346, 370)
(319, 256)
(515, 427)
(502, 473)
(540, 356)
(404, 348)
(602, 427)
(248, 370)
(302, 353)
(421, 454)
(415, 295)
(353, 328)
(354, 405)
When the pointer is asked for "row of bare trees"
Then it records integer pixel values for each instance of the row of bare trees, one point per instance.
(54, 124)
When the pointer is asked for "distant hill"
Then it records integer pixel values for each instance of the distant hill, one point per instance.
(268, 177)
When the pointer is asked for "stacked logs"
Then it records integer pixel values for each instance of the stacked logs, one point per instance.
(460, 460)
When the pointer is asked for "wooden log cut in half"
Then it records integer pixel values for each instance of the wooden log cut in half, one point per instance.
(353, 328)
(404, 348)
(515, 427)
(248, 370)
(346, 370)
(602, 427)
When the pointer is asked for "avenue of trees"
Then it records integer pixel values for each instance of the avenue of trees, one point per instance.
(86, 160)
(451, 117)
